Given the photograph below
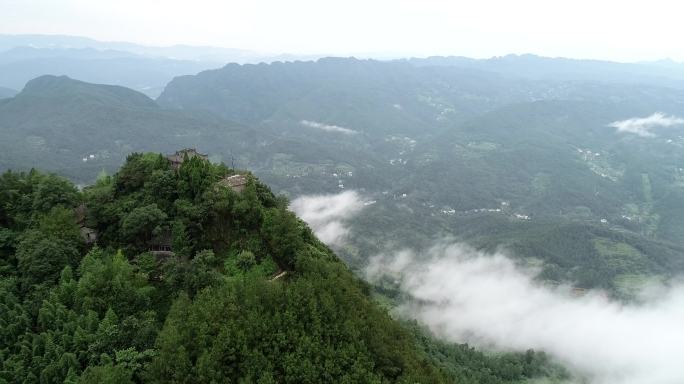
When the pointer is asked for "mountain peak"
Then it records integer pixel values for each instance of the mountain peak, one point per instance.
(52, 86)
(45, 82)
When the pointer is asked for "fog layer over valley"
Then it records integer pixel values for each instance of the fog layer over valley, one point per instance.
(487, 300)
(643, 126)
(328, 215)
(493, 301)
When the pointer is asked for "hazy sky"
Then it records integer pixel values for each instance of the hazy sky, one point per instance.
(620, 30)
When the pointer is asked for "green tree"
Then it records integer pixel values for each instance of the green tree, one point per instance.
(41, 257)
(106, 374)
(111, 282)
(141, 224)
(51, 191)
(246, 260)
(59, 223)
(283, 234)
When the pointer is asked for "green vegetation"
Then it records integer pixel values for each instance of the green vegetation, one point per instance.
(208, 308)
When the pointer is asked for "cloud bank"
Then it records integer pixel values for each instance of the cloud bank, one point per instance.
(466, 296)
(327, 214)
(328, 127)
(643, 126)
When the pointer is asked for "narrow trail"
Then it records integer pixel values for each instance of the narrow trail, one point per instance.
(278, 276)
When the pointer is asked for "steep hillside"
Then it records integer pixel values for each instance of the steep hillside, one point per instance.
(165, 273)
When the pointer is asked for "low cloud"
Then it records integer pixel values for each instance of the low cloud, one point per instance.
(328, 127)
(328, 214)
(463, 295)
(643, 126)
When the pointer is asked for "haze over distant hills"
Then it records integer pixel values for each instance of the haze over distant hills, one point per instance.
(665, 72)
(148, 69)
(178, 52)
(145, 69)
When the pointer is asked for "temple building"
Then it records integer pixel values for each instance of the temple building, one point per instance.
(177, 158)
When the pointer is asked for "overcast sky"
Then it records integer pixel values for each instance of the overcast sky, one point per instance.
(623, 30)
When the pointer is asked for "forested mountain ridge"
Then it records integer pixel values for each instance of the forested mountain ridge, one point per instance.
(378, 97)
(367, 95)
(64, 87)
(185, 284)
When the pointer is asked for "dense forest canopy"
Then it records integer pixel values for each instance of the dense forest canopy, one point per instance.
(188, 280)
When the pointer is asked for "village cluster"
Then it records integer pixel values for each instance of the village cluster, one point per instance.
(340, 181)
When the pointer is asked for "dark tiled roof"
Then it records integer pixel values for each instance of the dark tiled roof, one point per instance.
(180, 155)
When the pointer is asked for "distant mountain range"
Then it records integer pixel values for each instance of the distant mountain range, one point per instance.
(665, 73)
(145, 69)
(142, 73)
(176, 52)
(148, 69)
